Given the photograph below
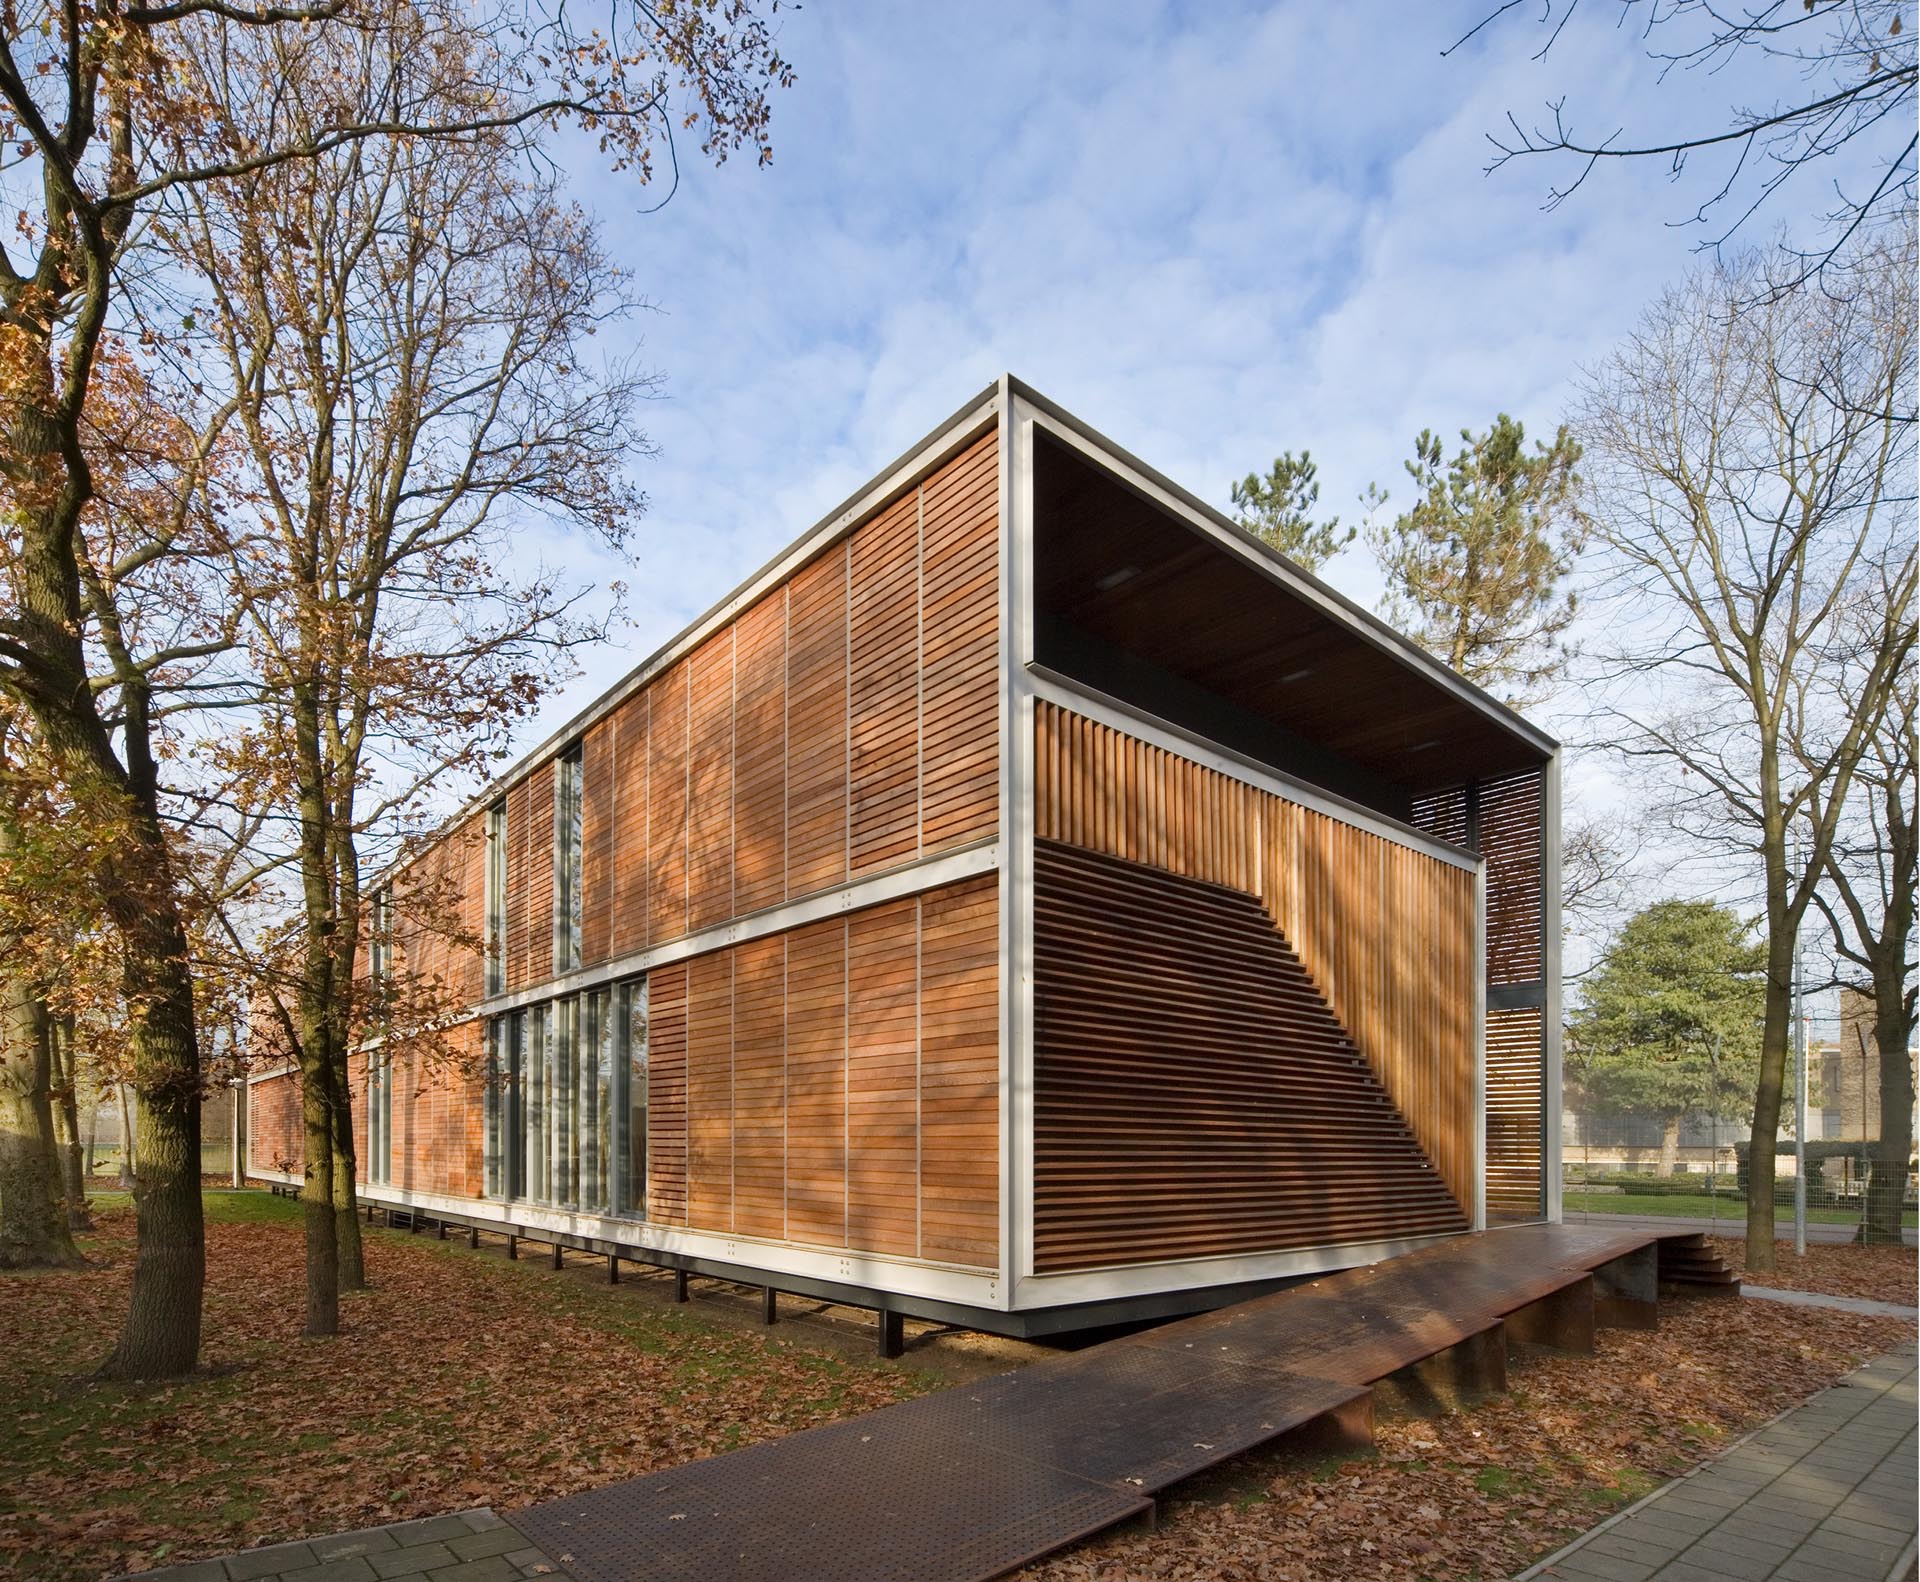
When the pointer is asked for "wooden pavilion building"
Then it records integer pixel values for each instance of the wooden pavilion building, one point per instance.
(1027, 902)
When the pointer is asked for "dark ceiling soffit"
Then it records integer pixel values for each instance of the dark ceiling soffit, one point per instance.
(1275, 565)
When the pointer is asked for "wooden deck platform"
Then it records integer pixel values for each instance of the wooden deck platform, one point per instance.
(971, 1482)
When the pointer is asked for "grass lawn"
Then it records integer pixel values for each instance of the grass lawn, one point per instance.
(1695, 1205)
(462, 1379)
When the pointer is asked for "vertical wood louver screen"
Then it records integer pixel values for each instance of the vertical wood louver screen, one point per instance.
(1386, 933)
(1194, 1095)
(1505, 820)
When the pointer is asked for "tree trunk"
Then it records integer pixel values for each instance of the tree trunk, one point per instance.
(316, 1192)
(66, 1122)
(161, 1336)
(1767, 1097)
(129, 1166)
(346, 1201)
(1669, 1144)
(33, 1229)
(1892, 1034)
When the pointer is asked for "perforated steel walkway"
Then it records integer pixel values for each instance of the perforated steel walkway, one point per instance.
(971, 1482)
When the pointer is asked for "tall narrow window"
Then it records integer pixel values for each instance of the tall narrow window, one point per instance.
(492, 1098)
(496, 945)
(596, 1118)
(629, 1054)
(513, 1040)
(567, 851)
(379, 1163)
(536, 1057)
(380, 934)
(563, 1099)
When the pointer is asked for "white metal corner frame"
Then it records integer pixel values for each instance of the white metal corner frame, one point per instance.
(1026, 682)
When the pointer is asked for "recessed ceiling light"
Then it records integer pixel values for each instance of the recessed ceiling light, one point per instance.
(1113, 579)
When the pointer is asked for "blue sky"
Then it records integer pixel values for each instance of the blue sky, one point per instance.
(1213, 231)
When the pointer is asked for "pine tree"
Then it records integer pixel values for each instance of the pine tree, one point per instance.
(1278, 509)
(1475, 567)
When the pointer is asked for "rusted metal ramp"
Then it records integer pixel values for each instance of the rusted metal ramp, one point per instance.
(971, 1482)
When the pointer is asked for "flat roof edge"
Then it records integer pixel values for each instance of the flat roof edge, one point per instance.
(1360, 620)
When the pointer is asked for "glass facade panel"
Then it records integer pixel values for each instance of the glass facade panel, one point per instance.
(567, 856)
(494, 1098)
(631, 1052)
(496, 945)
(566, 1102)
(379, 1160)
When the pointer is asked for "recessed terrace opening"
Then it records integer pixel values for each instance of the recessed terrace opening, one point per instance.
(1142, 594)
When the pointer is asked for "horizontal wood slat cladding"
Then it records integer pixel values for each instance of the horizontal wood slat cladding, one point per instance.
(885, 688)
(844, 723)
(667, 1094)
(1506, 820)
(666, 854)
(1516, 1164)
(842, 1082)
(760, 756)
(631, 872)
(960, 651)
(1511, 820)
(710, 783)
(438, 906)
(1193, 1095)
(1385, 934)
(530, 879)
(818, 711)
(598, 809)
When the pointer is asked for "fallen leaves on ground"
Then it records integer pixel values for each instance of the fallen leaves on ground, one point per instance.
(461, 1380)
(1483, 1493)
(1879, 1274)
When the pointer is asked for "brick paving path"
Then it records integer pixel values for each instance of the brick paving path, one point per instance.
(468, 1546)
(1825, 1493)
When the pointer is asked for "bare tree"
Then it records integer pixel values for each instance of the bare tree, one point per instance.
(1753, 482)
(97, 125)
(404, 331)
(1845, 71)
(1867, 897)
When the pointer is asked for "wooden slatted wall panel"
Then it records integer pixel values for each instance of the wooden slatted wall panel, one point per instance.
(817, 716)
(437, 1116)
(760, 1087)
(667, 1094)
(960, 1073)
(540, 874)
(710, 1091)
(598, 809)
(667, 807)
(629, 858)
(885, 688)
(883, 1079)
(710, 784)
(817, 1083)
(519, 953)
(1193, 1094)
(960, 650)
(1515, 1100)
(1385, 934)
(845, 723)
(1510, 836)
(760, 757)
